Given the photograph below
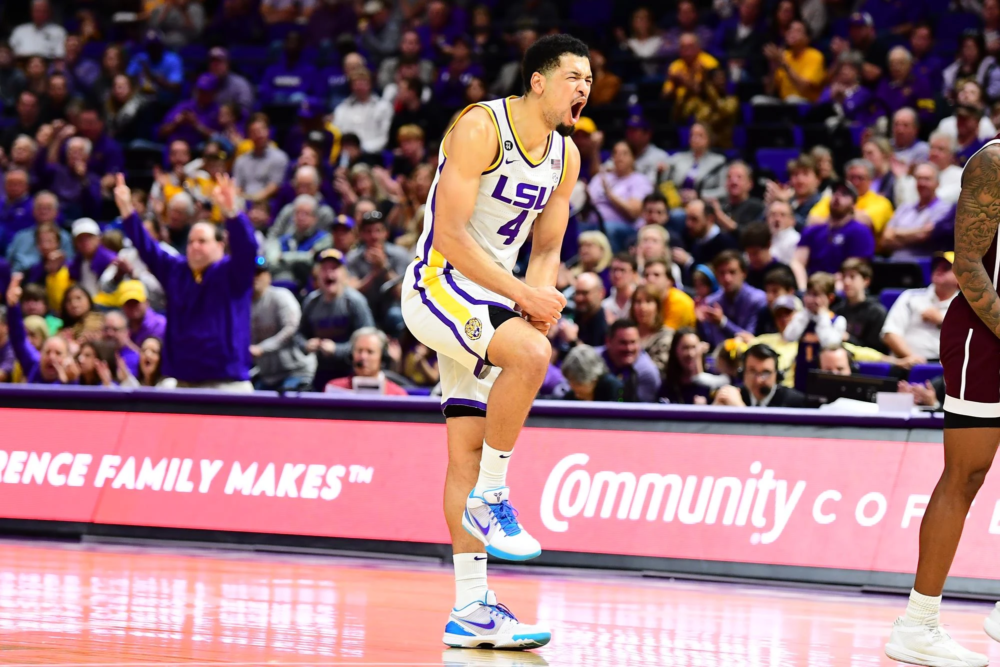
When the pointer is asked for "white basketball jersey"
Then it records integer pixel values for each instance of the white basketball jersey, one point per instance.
(512, 192)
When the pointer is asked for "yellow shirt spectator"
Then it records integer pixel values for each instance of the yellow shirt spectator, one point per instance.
(56, 285)
(808, 66)
(703, 64)
(678, 310)
(875, 206)
(199, 183)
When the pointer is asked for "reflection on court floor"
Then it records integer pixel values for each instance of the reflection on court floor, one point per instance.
(85, 605)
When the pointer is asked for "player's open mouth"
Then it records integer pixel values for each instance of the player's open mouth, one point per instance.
(577, 109)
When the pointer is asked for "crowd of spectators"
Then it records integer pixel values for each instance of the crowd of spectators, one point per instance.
(226, 194)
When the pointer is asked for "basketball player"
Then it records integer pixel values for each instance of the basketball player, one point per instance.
(506, 169)
(970, 353)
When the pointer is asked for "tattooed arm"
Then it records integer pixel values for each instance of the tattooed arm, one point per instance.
(975, 228)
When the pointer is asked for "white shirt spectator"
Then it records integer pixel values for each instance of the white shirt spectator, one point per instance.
(905, 319)
(783, 245)
(613, 310)
(369, 120)
(949, 126)
(49, 41)
(950, 184)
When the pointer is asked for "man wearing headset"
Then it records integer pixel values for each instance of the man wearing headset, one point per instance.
(761, 384)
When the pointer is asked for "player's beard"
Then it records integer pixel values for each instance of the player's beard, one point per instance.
(554, 120)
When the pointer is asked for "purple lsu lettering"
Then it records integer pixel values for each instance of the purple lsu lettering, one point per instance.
(526, 195)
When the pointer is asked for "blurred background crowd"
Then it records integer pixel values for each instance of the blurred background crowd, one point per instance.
(768, 189)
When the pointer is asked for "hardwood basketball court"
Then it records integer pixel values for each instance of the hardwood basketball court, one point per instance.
(126, 606)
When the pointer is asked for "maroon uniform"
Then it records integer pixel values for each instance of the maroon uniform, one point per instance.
(970, 353)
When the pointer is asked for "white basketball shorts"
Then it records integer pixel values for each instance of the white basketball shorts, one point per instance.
(456, 318)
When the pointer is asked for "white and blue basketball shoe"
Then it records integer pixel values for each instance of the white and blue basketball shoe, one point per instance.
(491, 520)
(487, 624)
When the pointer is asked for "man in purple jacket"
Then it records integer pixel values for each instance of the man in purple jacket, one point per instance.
(78, 190)
(209, 294)
(902, 88)
(734, 308)
(194, 120)
(106, 156)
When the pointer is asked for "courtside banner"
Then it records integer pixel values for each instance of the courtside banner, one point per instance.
(783, 501)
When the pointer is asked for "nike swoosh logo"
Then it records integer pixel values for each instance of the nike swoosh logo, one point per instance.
(505, 457)
(509, 161)
(492, 624)
(486, 530)
(478, 558)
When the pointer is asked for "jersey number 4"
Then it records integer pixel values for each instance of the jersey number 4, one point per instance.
(511, 229)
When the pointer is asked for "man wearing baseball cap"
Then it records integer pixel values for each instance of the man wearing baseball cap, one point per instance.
(232, 88)
(330, 315)
(92, 258)
(588, 139)
(344, 236)
(912, 329)
(143, 321)
(373, 264)
(864, 39)
(824, 247)
(194, 120)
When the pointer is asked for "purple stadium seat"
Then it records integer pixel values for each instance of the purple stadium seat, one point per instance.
(776, 160)
(925, 266)
(889, 296)
(951, 25)
(923, 372)
(875, 368)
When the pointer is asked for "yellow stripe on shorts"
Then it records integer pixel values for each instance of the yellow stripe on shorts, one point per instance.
(443, 298)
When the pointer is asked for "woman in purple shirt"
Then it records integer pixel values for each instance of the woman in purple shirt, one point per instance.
(617, 195)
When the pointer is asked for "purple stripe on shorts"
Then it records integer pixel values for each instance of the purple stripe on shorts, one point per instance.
(438, 314)
(468, 297)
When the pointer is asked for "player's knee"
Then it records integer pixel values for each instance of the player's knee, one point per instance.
(535, 354)
(967, 481)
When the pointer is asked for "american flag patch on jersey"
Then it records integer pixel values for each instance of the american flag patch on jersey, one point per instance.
(556, 163)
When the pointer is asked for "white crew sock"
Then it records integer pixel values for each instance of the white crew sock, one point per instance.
(470, 579)
(492, 469)
(923, 609)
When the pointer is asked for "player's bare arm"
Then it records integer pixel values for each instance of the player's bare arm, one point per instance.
(975, 228)
(550, 226)
(472, 147)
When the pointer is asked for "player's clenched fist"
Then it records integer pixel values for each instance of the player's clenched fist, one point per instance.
(543, 304)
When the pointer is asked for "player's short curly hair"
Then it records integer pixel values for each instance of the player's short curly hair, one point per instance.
(543, 56)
